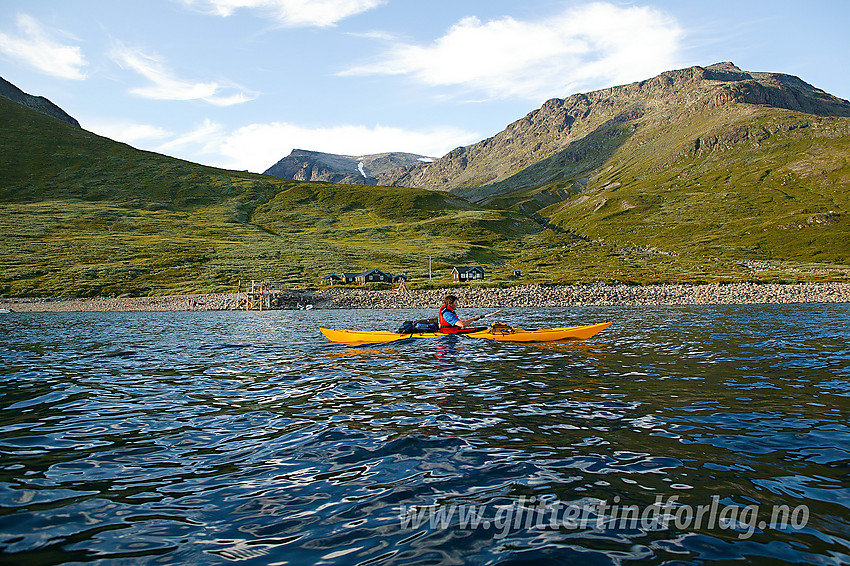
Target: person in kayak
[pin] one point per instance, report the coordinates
(450, 322)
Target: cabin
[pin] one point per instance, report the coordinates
(467, 273)
(373, 276)
(370, 276)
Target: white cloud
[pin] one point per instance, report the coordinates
(237, 98)
(259, 146)
(206, 138)
(127, 132)
(321, 13)
(164, 86)
(585, 47)
(375, 34)
(36, 46)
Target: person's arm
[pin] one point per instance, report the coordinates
(454, 320)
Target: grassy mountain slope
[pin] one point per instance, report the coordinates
(774, 186)
(767, 199)
(694, 176)
(714, 164)
(586, 126)
(83, 215)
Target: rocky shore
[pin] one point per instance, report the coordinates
(598, 294)
(199, 302)
(520, 296)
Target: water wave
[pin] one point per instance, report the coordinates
(221, 437)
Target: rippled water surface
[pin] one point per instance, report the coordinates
(214, 438)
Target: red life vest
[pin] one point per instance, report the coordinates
(445, 327)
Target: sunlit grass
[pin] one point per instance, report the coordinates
(82, 215)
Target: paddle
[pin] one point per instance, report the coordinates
(492, 313)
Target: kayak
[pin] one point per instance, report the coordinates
(543, 334)
(357, 337)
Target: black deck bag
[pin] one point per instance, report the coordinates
(427, 325)
(418, 326)
(406, 327)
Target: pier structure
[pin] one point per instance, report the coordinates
(267, 295)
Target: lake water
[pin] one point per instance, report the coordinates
(678, 435)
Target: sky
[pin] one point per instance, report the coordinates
(239, 84)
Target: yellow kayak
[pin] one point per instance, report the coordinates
(501, 334)
(541, 335)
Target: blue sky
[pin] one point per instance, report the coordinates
(240, 83)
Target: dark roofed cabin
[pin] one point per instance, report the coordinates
(374, 276)
(467, 273)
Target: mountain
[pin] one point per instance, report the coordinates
(712, 162)
(571, 137)
(698, 175)
(302, 165)
(84, 215)
(38, 103)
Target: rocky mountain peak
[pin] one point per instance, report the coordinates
(576, 128)
(727, 66)
(726, 71)
(38, 103)
(305, 165)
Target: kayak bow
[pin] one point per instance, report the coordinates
(358, 337)
(543, 334)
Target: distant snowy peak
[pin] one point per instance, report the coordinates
(304, 165)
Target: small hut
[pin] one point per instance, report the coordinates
(462, 274)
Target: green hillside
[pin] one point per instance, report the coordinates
(83, 215)
(773, 187)
(681, 173)
(661, 181)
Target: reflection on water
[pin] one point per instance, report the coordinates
(448, 349)
(675, 435)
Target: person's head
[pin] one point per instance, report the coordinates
(450, 300)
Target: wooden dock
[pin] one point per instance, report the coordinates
(267, 295)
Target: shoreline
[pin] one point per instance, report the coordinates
(519, 296)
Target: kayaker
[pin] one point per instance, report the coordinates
(450, 322)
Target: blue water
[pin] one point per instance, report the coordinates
(217, 438)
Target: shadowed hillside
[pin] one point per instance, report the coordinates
(715, 161)
(39, 103)
(582, 130)
(699, 175)
(84, 215)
